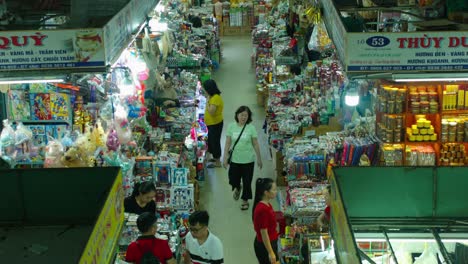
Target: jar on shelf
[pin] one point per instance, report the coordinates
(444, 137)
(391, 107)
(399, 106)
(433, 97)
(423, 96)
(397, 135)
(415, 107)
(433, 107)
(401, 94)
(389, 135)
(424, 107)
(414, 97)
(382, 104)
(399, 122)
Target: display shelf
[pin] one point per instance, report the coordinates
(43, 121)
(454, 112)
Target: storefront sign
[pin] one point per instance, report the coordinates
(51, 49)
(415, 51)
(345, 247)
(104, 238)
(120, 29)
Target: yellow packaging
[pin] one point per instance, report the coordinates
(427, 123)
(427, 137)
(430, 131)
(423, 131)
(415, 131)
(419, 138)
(434, 137)
(411, 137)
(444, 100)
(461, 99)
(420, 123)
(466, 99)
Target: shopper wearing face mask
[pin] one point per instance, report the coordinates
(142, 199)
(241, 139)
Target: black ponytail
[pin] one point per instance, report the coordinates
(261, 186)
(143, 188)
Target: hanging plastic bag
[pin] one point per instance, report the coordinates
(23, 142)
(319, 39)
(53, 154)
(427, 257)
(7, 140)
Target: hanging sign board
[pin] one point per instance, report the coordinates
(345, 247)
(415, 51)
(120, 29)
(51, 49)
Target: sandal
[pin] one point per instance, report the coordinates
(236, 194)
(245, 206)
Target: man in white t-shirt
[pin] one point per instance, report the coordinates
(202, 247)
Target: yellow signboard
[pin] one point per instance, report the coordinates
(106, 232)
(345, 247)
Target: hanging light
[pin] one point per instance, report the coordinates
(352, 95)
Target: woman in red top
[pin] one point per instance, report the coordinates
(324, 218)
(147, 242)
(266, 240)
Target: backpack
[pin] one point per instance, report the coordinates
(148, 257)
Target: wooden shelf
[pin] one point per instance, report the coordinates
(454, 112)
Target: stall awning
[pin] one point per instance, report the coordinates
(56, 52)
(377, 52)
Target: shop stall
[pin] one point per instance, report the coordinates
(414, 72)
(45, 220)
(139, 107)
(401, 215)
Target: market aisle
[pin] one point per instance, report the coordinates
(236, 81)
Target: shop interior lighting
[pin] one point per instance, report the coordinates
(352, 95)
(157, 25)
(160, 7)
(32, 81)
(424, 77)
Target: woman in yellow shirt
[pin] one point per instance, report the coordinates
(214, 121)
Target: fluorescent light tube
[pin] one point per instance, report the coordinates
(32, 81)
(427, 77)
(432, 80)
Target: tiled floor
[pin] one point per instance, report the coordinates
(236, 80)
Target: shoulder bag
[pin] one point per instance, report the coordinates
(235, 143)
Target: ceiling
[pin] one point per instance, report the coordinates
(35, 14)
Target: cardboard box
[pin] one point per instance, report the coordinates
(333, 126)
(278, 164)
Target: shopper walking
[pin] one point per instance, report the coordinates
(147, 248)
(264, 218)
(266, 239)
(202, 246)
(242, 136)
(214, 121)
(142, 199)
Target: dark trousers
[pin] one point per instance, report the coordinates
(262, 253)
(244, 172)
(214, 139)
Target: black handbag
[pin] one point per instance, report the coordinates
(235, 143)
